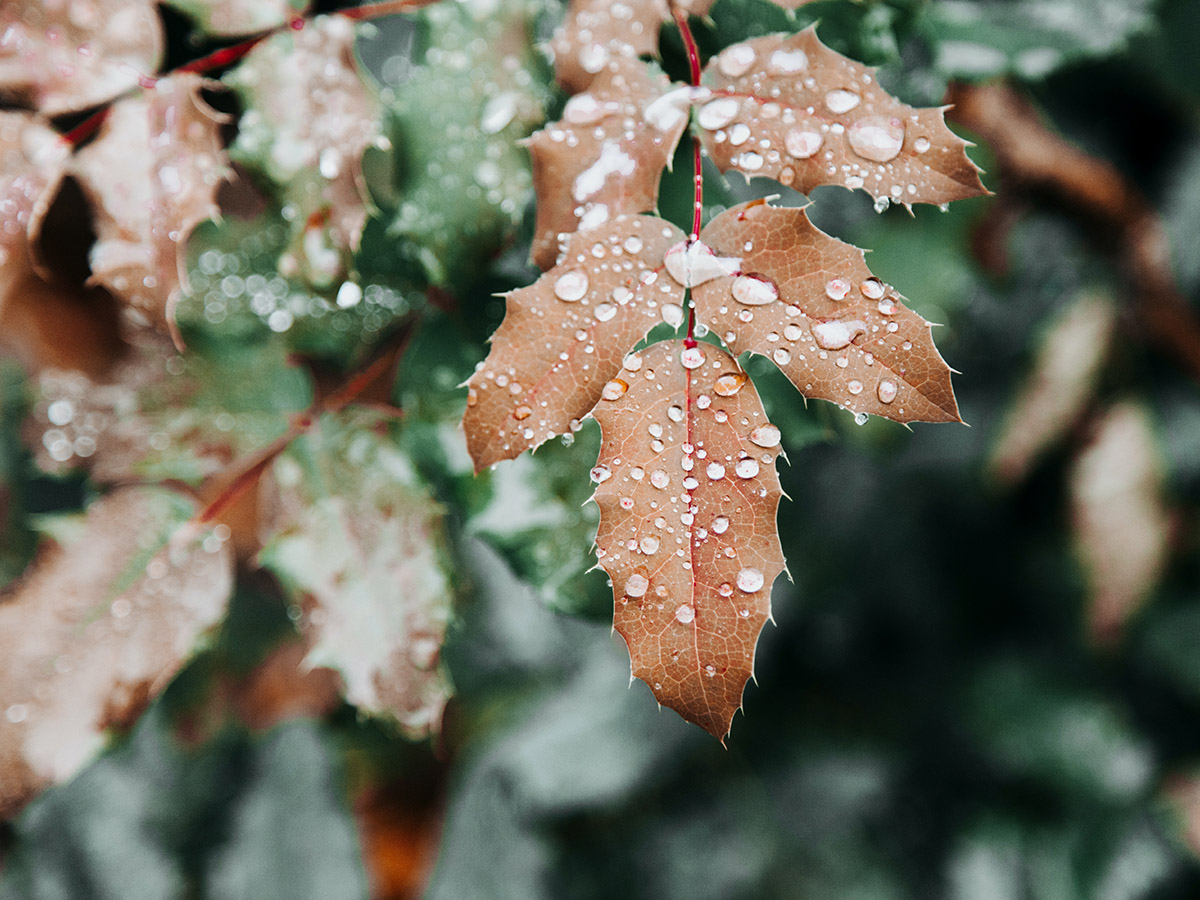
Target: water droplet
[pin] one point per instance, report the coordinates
(766, 435)
(861, 418)
(17, 713)
(886, 391)
(729, 384)
(749, 161)
(921, 144)
(841, 101)
(600, 474)
(571, 286)
(887, 306)
(633, 244)
(881, 204)
(726, 589)
(584, 109)
(788, 62)
(472, 396)
(782, 356)
(691, 357)
(675, 413)
(792, 331)
(498, 112)
(521, 413)
(349, 295)
(718, 113)
(746, 468)
(872, 288)
(753, 291)
(736, 60)
(876, 138)
(633, 362)
(615, 389)
(659, 478)
(837, 288)
(855, 387)
(649, 544)
(710, 670)
(803, 142)
(715, 471)
(739, 134)
(605, 311)
(720, 525)
(750, 580)
(636, 585)
(837, 334)
(672, 314)
(685, 614)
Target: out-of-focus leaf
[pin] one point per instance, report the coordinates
(65, 57)
(16, 540)
(161, 416)
(237, 290)
(1035, 728)
(1029, 38)
(1121, 524)
(98, 628)
(358, 542)
(292, 837)
(309, 117)
(462, 179)
(231, 18)
(1057, 390)
(151, 175)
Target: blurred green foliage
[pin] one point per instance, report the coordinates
(930, 720)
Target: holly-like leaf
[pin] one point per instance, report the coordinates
(358, 541)
(161, 416)
(563, 338)
(232, 18)
(1121, 524)
(599, 34)
(309, 117)
(688, 493)
(97, 628)
(591, 166)
(790, 108)
(64, 57)
(151, 175)
(776, 285)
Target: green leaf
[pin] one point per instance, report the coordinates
(358, 541)
(978, 39)
(462, 180)
(160, 416)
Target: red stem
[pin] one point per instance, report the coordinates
(693, 53)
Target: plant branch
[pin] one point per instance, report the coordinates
(1038, 160)
(693, 54)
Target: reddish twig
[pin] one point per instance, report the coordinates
(693, 54)
(1037, 159)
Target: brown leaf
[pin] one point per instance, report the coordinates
(61, 56)
(597, 34)
(591, 167)
(788, 291)
(688, 493)
(1058, 389)
(32, 162)
(151, 175)
(97, 628)
(1121, 524)
(789, 108)
(563, 338)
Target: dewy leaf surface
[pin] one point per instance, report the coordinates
(97, 628)
(563, 338)
(358, 539)
(151, 175)
(789, 108)
(63, 56)
(809, 302)
(599, 34)
(309, 117)
(606, 155)
(688, 494)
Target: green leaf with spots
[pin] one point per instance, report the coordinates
(461, 179)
